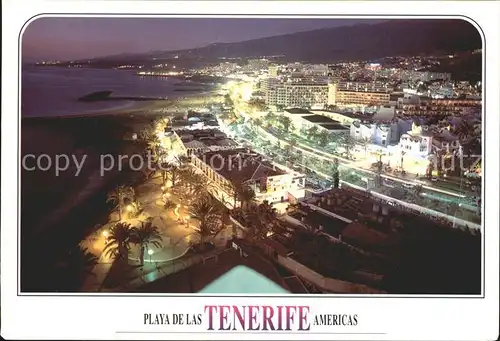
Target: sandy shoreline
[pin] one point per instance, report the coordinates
(176, 104)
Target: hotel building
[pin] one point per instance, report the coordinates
(268, 181)
(362, 98)
(301, 94)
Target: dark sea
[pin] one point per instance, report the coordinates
(53, 91)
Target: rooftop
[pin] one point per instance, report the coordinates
(345, 202)
(297, 111)
(240, 164)
(358, 115)
(333, 126)
(313, 217)
(201, 138)
(320, 119)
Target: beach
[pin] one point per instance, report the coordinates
(70, 205)
(91, 134)
(145, 108)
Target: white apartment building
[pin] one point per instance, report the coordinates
(416, 142)
(378, 134)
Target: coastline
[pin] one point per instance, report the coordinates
(92, 134)
(145, 108)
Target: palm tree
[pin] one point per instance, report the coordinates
(160, 124)
(464, 130)
(379, 169)
(153, 142)
(402, 160)
(270, 117)
(311, 133)
(145, 134)
(286, 122)
(193, 185)
(246, 196)
(234, 187)
(146, 235)
(209, 218)
(119, 195)
(118, 242)
(365, 142)
(172, 169)
(348, 142)
(336, 173)
(323, 138)
(259, 221)
(267, 212)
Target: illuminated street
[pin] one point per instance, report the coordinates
(361, 167)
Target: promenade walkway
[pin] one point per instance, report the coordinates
(175, 235)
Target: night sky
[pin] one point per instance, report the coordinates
(73, 38)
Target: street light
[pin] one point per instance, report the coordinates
(187, 220)
(105, 233)
(150, 253)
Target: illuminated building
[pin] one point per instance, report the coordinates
(268, 181)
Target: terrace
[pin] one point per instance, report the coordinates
(330, 259)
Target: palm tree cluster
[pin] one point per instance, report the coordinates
(191, 185)
(286, 123)
(257, 218)
(322, 137)
(209, 217)
(171, 170)
(122, 236)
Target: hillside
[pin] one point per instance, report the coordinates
(358, 42)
